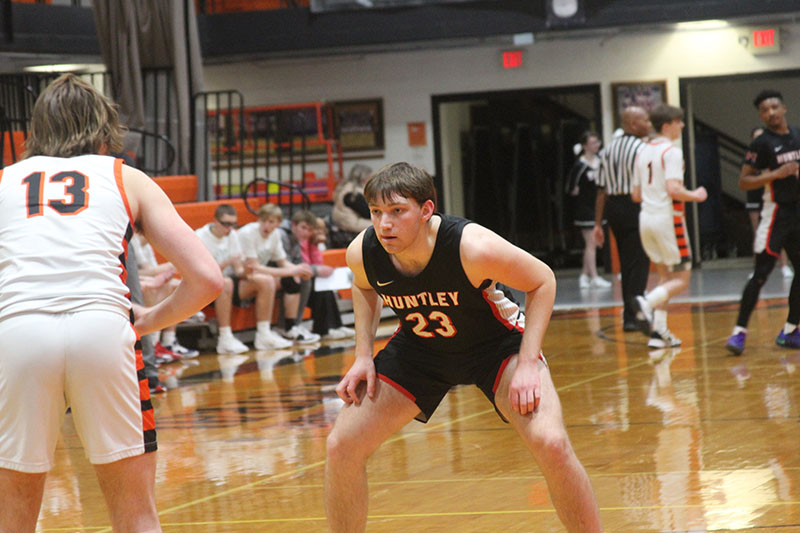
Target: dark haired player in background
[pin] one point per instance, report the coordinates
(772, 162)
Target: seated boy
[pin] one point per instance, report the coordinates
(240, 286)
(265, 256)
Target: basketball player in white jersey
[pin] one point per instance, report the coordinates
(658, 185)
(67, 337)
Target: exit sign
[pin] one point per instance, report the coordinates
(512, 59)
(760, 41)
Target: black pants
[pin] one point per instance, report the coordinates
(785, 233)
(324, 312)
(622, 214)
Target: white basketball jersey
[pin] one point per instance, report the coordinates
(659, 161)
(64, 228)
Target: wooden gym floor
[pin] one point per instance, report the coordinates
(690, 439)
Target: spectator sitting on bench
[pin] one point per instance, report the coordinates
(158, 281)
(240, 287)
(327, 320)
(350, 214)
(265, 255)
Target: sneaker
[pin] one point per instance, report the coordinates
(183, 351)
(334, 335)
(600, 283)
(735, 343)
(787, 272)
(584, 281)
(789, 340)
(230, 345)
(164, 355)
(350, 332)
(663, 339)
(157, 387)
(270, 340)
(300, 335)
(647, 311)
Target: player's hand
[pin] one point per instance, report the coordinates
(525, 389)
(362, 370)
(701, 194)
(599, 237)
(141, 319)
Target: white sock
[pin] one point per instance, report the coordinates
(660, 320)
(225, 331)
(168, 337)
(262, 327)
(657, 296)
(788, 328)
(739, 329)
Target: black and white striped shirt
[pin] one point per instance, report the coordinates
(617, 162)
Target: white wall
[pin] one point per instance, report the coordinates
(407, 80)
(728, 105)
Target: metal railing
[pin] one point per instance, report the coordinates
(237, 148)
(155, 153)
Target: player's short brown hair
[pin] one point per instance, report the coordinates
(664, 114)
(400, 179)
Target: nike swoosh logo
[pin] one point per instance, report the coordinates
(385, 283)
(778, 148)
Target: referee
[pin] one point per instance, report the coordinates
(614, 194)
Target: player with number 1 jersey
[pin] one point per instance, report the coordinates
(661, 220)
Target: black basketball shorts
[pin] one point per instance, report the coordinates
(425, 377)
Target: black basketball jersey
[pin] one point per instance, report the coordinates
(439, 308)
(769, 151)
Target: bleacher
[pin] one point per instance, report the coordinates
(182, 190)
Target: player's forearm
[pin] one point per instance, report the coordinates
(538, 308)
(683, 195)
(196, 290)
(748, 182)
(367, 316)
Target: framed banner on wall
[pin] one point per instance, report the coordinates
(645, 94)
(358, 124)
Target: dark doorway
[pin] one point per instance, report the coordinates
(501, 160)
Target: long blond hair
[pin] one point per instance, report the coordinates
(71, 118)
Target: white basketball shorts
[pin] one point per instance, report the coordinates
(84, 360)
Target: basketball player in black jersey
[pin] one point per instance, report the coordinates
(439, 274)
(772, 162)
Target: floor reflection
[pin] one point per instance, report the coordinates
(686, 439)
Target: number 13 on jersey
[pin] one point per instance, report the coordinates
(73, 197)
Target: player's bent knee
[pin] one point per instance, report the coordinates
(340, 448)
(347, 448)
(553, 449)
